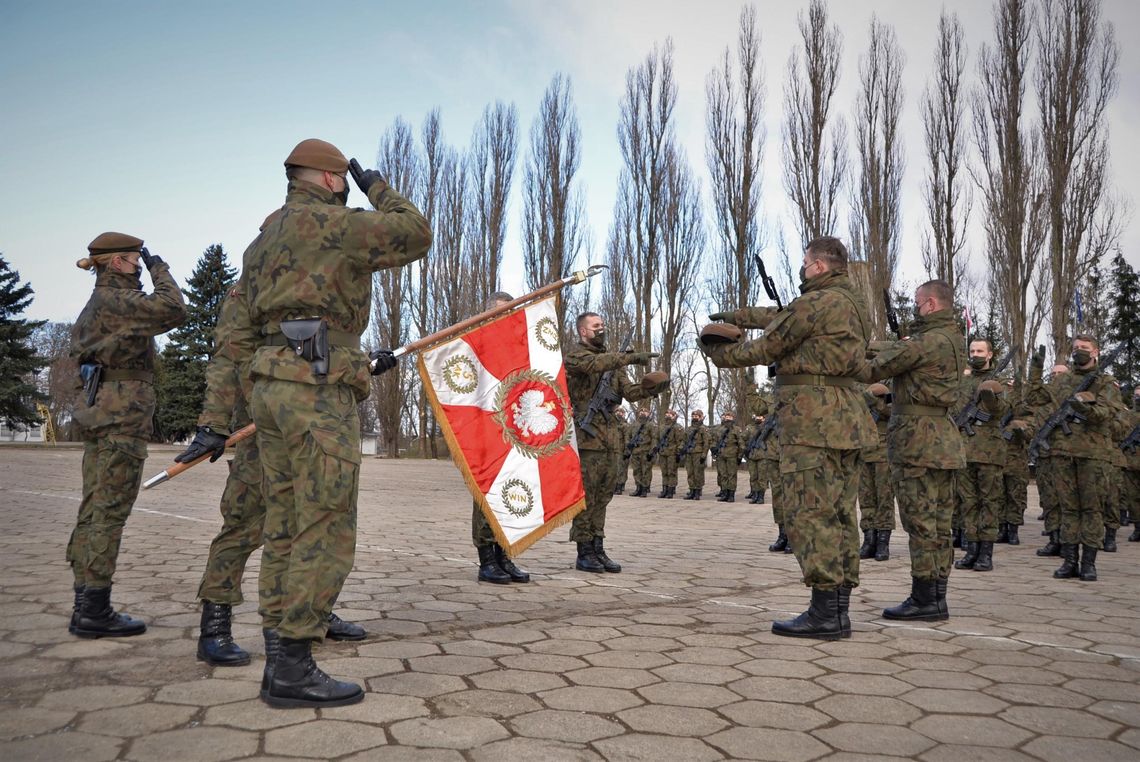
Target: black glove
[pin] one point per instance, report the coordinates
(642, 358)
(1038, 359)
(724, 317)
(383, 360)
(365, 178)
(205, 441)
(150, 260)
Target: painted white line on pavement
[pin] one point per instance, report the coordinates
(134, 509)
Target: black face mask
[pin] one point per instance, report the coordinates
(803, 274)
(342, 196)
(1081, 358)
(728, 422)
(977, 363)
(696, 421)
(598, 340)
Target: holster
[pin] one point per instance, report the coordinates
(91, 374)
(309, 338)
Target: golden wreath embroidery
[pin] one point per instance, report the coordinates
(546, 334)
(517, 497)
(459, 374)
(531, 415)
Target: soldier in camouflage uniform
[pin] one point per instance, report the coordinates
(669, 442)
(693, 452)
(642, 438)
(316, 258)
(817, 344)
(770, 477)
(1130, 490)
(619, 429)
(727, 447)
(923, 445)
(1115, 515)
(876, 499)
(980, 485)
(752, 458)
(586, 363)
(1080, 460)
(1033, 416)
(1015, 478)
(115, 331)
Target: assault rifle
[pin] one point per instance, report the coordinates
(1006, 434)
(973, 412)
(721, 442)
(1065, 414)
(760, 438)
(1132, 441)
(690, 442)
(661, 442)
(635, 441)
(773, 294)
(605, 399)
(892, 316)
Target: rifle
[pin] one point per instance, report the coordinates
(769, 284)
(689, 442)
(972, 413)
(1063, 415)
(604, 400)
(892, 316)
(760, 438)
(635, 441)
(720, 444)
(661, 442)
(1006, 434)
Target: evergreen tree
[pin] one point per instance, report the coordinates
(181, 381)
(19, 362)
(991, 329)
(1124, 328)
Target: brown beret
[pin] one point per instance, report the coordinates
(878, 390)
(317, 154)
(654, 379)
(720, 333)
(112, 243)
(992, 386)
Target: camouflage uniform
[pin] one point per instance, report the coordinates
(980, 486)
(692, 453)
(669, 441)
(770, 477)
(876, 500)
(620, 434)
(1114, 488)
(753, 459)
(116, 330)
(1015, 479)
(1130, 488)
(316, 257)
(643, 438)
(727, 445)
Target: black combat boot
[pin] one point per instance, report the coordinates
(843, 603)
(959, 536)
(922, 605)
(781, 541)
(664, 493)
(610, 565)
(298, 681)
(882, 544)
(98, 620)
(940, 586)
(697, 496)
(751, 494)
(1135, 536)
(587, 559)
(1109, 540)
(820, 621)
(76, 607)
(1053, 547)
(730, 496)
(672, 493)
(216, 644)
(1011, 535)
(1088, 564)
(985, 560)
(619, 489)
(691, 494)
(967, 561)
(506, 564)
(1003, 533)
(867, 549)
(272, 646)
(489, 569)
(342, 630)
(1068, 568)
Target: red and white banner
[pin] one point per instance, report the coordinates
(499, 392)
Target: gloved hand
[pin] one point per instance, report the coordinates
(1038, 358)
(206, 440)
(365, 179)
(1085, 397)
(150, 260)
(641, 358)
(725, 317)
(383, 360)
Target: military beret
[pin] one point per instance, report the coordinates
(879, 390)
(112, 243)
(317, 154)
(994, 387)
(654, 379)
(720, 333)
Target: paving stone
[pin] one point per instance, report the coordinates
(1048, 720)
(1059, 749)
(324, 739)
(1130, 737)
(448, 732)
(779, 668)
(451, 665)
(640, 747)
(768, 744)
(1111, 690)
(32, 721)
(778, 689)
(972, 731)
(1028, 676)
(404, 754)
(566, 647)
(672, 720)
(200, 744)
(612, 677)
(397, 649)
(419, 684)
(688, 694)
(774, 714)
(356, 668)
(561, 725)
(699, 673)
(958, 702)
(543, 662)
(1039, 695)
(92, 697)
(930, 678)
(485, 704)
(873, 709)
(136, 720)
(871, 685)
(952, 753)
(582, 698)
(533, 749)
(873, 739)
(1125, 712)
(207, 692)
(254, 714)
(628, 659)
(61, 746)
(707, 655)
(517, 680)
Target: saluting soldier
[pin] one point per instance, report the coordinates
(693, 453)
(876, 498)
(727, 447)
(642, 439)
(669, 442)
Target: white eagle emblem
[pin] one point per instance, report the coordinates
(532, 414)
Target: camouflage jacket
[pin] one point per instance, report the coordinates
(584, 368)
(1091, 439)
(315, 258)
(727, 442)
(1131, 419)
(750, 432)
(228, 385)
(670, 437)
(643, 436)
(987, 445)
(926, 369)
(699, 435)
(116, 329)
(1120, 429)
(877, 453)
(823, 332)
(619, 434)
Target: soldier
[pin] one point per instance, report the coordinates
(1130, 490)
(752, 459)
(923, 445)
(693, 452)
(817, 344)
(586, 363)
(1033, 417)
(621, 433)
(770, 477)
(1115, 514)
(728, 446)
(876, 499)
(980, 485)
(1015, 478)
(112, 342)
(641, 440)
(316, 258)
(669, 443)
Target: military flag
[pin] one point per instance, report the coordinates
(499, 392)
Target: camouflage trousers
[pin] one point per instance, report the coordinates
(982, 493)
(243, 521)
(926, 505)
(598, 480)
(770, 478)
(481, 532)
(642, 468)
(820, 487)
(668, 465)
(876, 499)
(754, 476)
(1080, 484)
(726, 473)
(619, 469)
(309, 437)
(1016, 497)
(112, 474)
(1047, 493)
(1130, 495)
(1114, 482)
(695, 471)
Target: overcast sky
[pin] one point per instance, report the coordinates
(170, 121)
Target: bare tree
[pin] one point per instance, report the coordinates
(453, 295)
(875, 213)
(420, 295)
(615, 302)
(943, 120)
(815, 143)
(1076, 78)
(52, 341)
(491, 167)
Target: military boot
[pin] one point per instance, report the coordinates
(489, 569)
(781, 541)
(697, 495)
(820, 621)
(664, 493)
(672, 493)
(76, 607)
(882, 545)
(1003, 533)
(751, 495)
(1011, 534)
(1068, 568)
(867, 549)
(1088, 564)
(729, 496)
(1053, 547)
(216, 644)
(691, 494)
(940, 586)
(97, 619)
(922, 605)
(272, 646)
(843, 604)
(1109, 540)
(619, 489)
(985, 560)
(587, 559)
(720, 494)
(959, 536)
(339, 629)
(967, 561)
(610, 565)
(506, 564)
(1135, 536)
(298, 681)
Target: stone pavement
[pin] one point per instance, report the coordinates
(672, 659)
